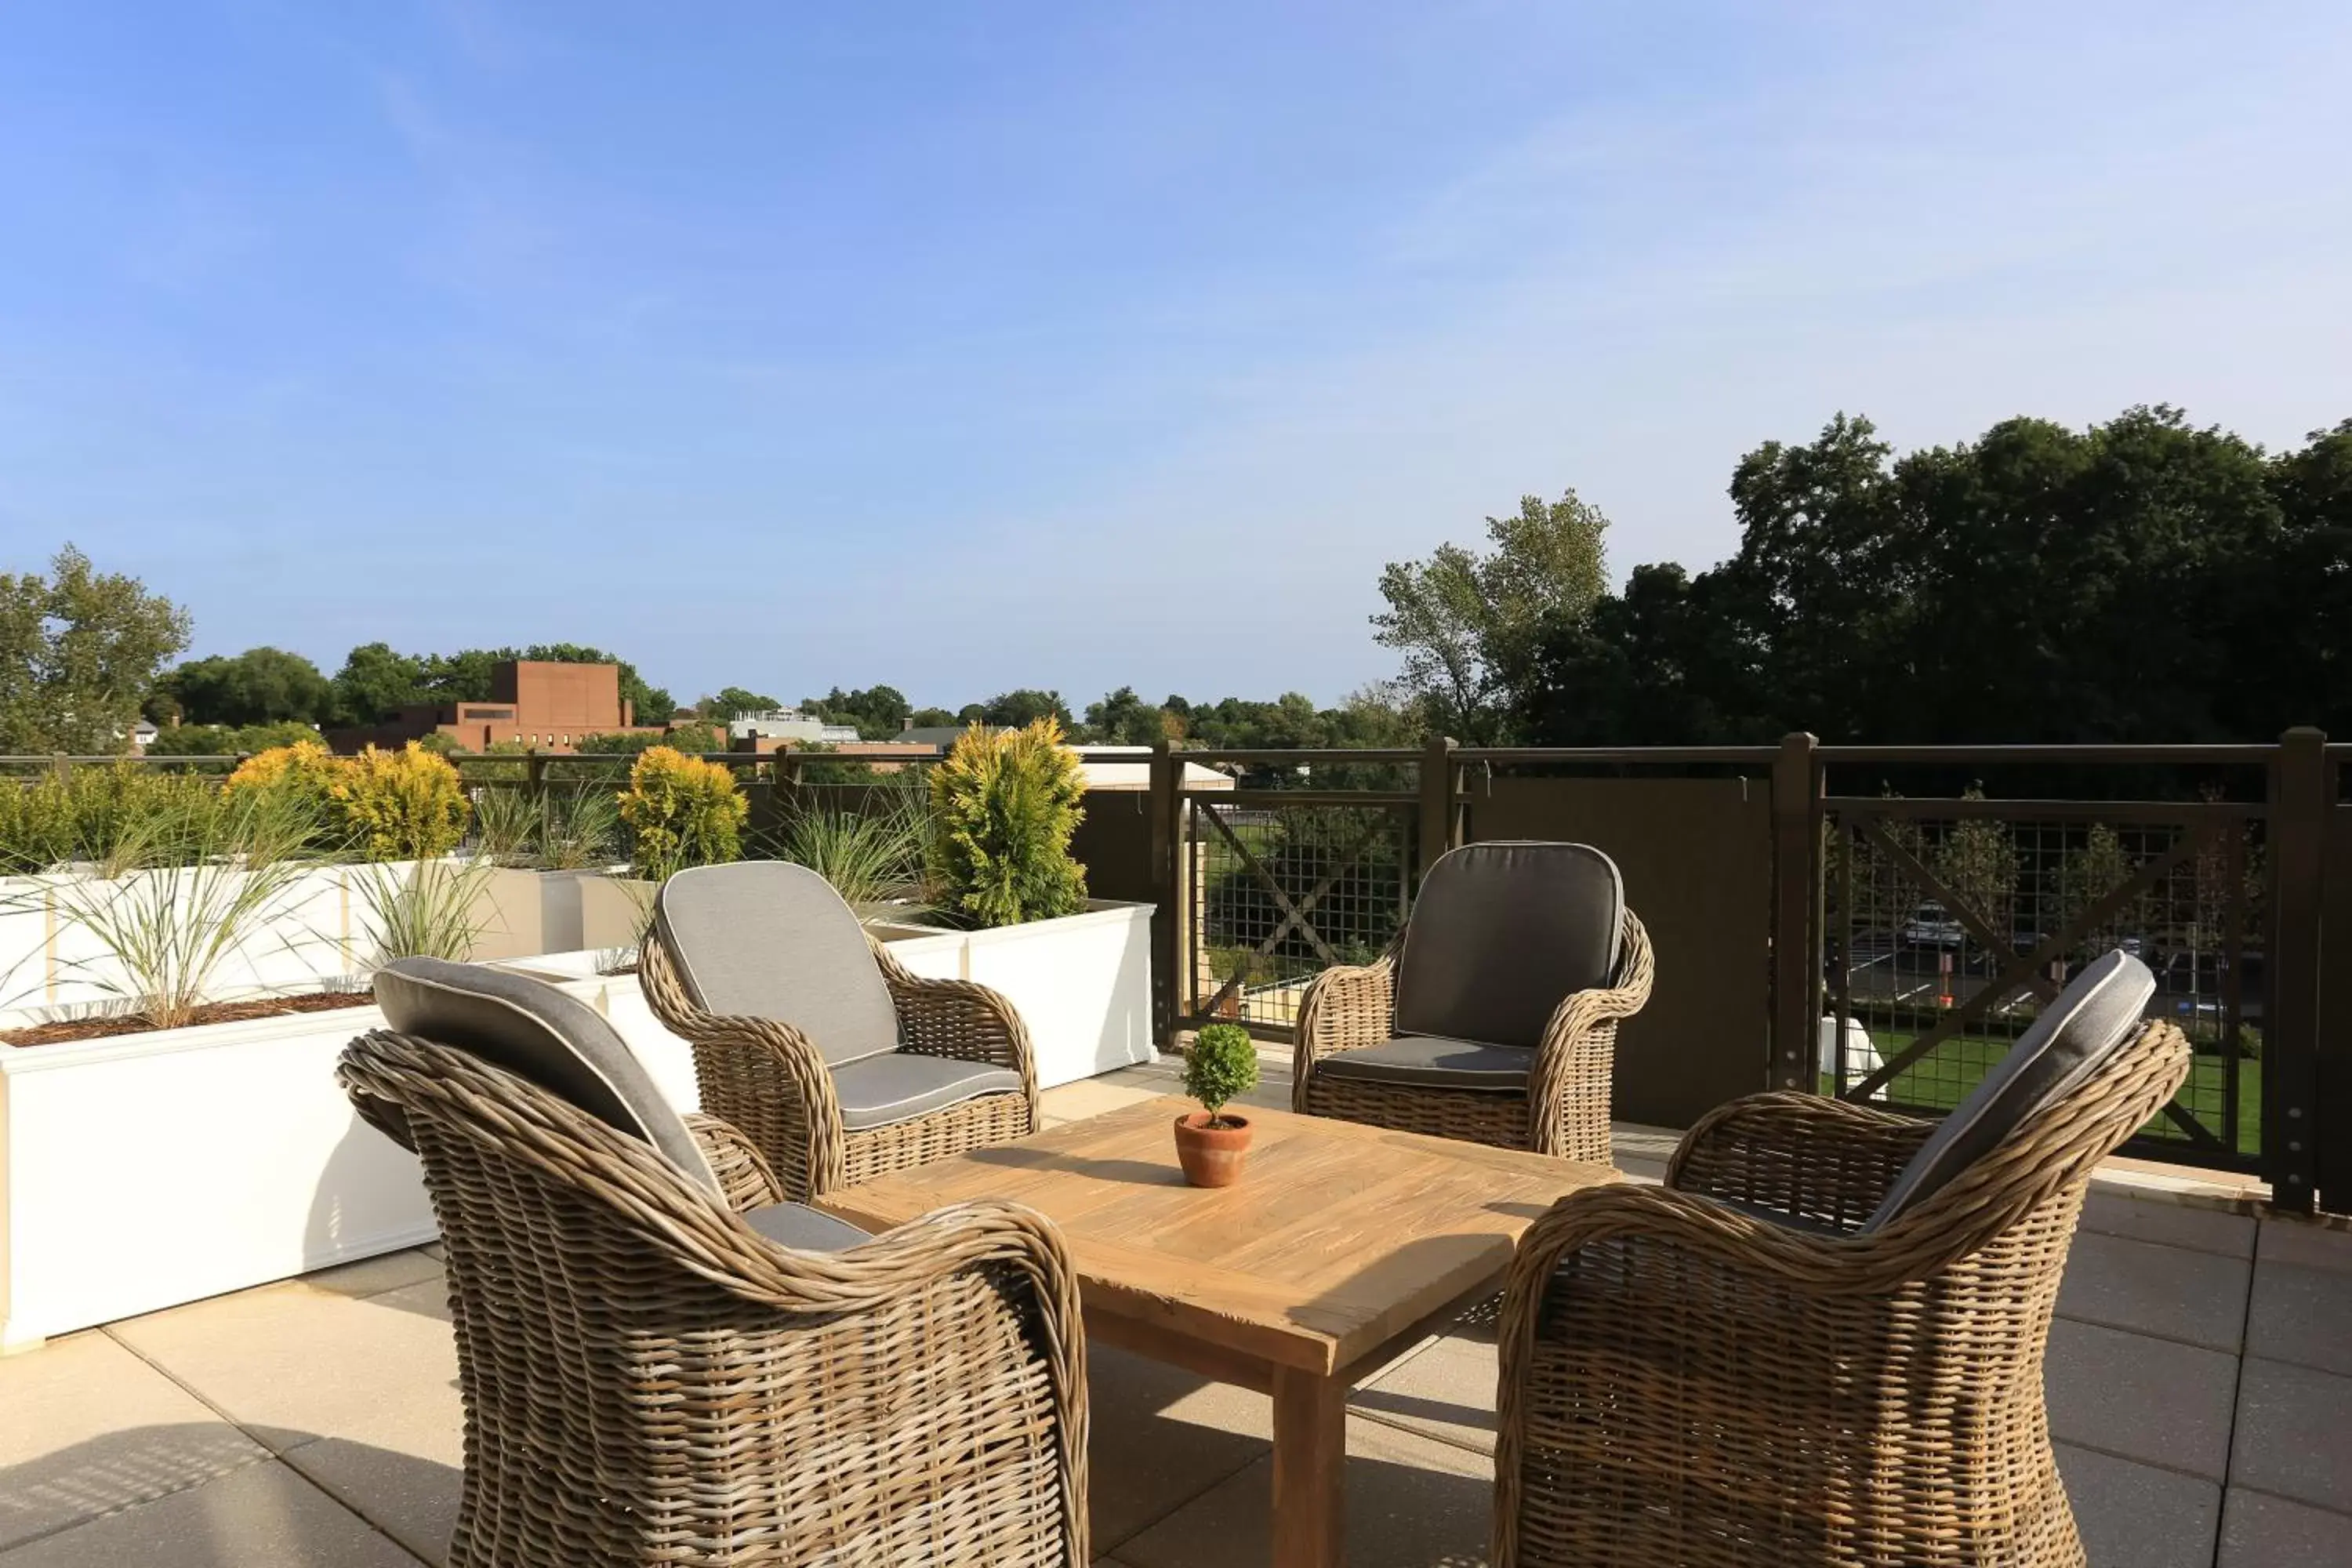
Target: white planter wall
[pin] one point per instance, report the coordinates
(148, 1169)
(1082, 983)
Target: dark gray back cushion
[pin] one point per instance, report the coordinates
(1501, 935)
(534, 1031)
(767, 939)
(2075, 1037)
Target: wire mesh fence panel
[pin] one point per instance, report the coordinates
(1281, 892)
(1950, 925)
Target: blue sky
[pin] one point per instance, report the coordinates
(972, 346)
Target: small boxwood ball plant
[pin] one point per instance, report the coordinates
(1221, 1063)
(681, 811)
(406, 804)
(1004, 806)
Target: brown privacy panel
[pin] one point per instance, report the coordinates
(1114, 844)
(1697, 856)
(2331, 1127)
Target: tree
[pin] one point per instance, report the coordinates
(1123, 719)
(877, 711)
(1466, 623)
(1019, 710)
(79, 650)
(2142, 580)
(375, 683)
(929, 718)
(733, 700)
(260, 686)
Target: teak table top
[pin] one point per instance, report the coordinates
(1337, 1240)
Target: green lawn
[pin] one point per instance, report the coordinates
(1939, 1081)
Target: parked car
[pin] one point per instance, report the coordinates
(1932, 925)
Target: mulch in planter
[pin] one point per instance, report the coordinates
(65, 1030)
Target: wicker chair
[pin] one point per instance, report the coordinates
(1493, 1017)
(817, 1044)
(1820, 1341)
(659, 1372)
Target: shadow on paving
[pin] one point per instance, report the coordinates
(199, 1494)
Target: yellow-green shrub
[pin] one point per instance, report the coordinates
(37, 825)
(1004, 806)
(402, 805)
(681, 812)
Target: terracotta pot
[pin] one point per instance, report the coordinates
(1211, 1156)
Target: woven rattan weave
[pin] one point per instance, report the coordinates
(1684, 1383)
(1566, 1109)
(647, 1381)
(768, 1080)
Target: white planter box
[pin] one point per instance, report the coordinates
(1082, 982)
(144, 1171)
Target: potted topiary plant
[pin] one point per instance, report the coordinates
(1210, 1144)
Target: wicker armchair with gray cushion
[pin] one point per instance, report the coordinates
(664, 1363)
(1820, 1341)
(1494, 1018)
(817, 1044)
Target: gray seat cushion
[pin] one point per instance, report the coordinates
(1431, 1061)
(803, 1229)
(901, 1086)
(767, 939)
(2075, 1037)
(536, 1032)
(1501, 935)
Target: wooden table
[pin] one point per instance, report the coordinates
(1341, 1248)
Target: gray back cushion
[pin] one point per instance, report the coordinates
(2066, 1049)
(767, 939)
(1501, 935)
(536, 1032)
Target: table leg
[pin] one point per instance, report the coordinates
(1310, 1461)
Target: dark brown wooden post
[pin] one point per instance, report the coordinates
(1796, 900)
(534, 769)
(1174, 909)
(1440, 814)
(2299, 804)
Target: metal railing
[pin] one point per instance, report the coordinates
(1915, 935)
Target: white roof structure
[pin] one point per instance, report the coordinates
(1129, 767)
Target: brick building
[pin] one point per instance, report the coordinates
(542, 704)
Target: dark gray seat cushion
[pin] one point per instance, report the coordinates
(2075, 1037)
(768, 938)
(805, 1229)
(901, 1086)
(1501, 935)
(1433, 1061)
(536, 1032)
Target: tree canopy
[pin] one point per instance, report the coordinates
(877, 711)
(80, 649)
(2141, 580)
(260, 686)
(1464, 623)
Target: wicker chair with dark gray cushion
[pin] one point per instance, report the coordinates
(663, 1362)
(1820, 1341)
(817, 1044)
(1494, 1017)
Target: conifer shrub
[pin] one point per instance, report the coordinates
(402, 805)
(1004, 806)
(681, 811)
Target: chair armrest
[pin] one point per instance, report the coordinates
(1568, 1087)
(957, 1018)
(942, 1255)
(743, 1176)
(1345, 1008)
(1802, 1155)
